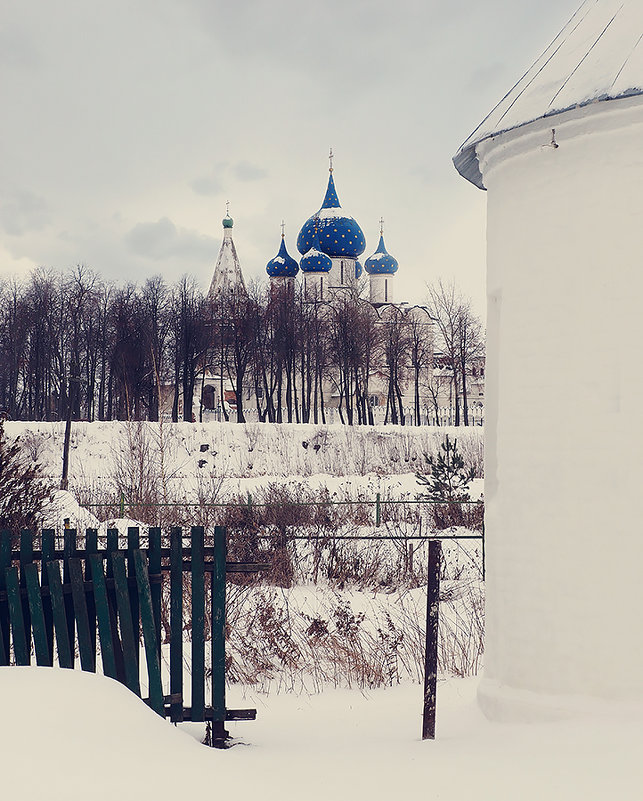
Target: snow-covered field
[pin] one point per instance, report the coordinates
(186, 456)
(71, 735)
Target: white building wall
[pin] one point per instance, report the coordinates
(564, 440)
(316, 286)
(342, 272)
(381, 287)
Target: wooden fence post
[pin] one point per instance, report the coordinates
(431, 652)
(176, 625)
(219, 733)
(198, 625)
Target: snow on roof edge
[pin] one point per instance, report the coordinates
(466, 159)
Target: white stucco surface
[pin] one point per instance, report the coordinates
(564, 434)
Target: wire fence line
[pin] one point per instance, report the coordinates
(378, 501)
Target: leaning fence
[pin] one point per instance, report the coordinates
(91, 598)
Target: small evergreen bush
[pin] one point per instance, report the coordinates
(447, 486)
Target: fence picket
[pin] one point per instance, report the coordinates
(26, 558)
(21, 648)
(198, 625)
(103, 617)
(69, 551)
(85, 649)
(4, 659)
(218, 635)
(149, 634)
(156, 586)
(91, 547)
(41, 645)
(130, 644)
(5, 562)
(133, 544)
(176, 625)
(48, 547)
(60, 616)
(112, 547)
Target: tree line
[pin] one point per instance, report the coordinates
(73, 346)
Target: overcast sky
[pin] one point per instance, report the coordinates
(127, 125)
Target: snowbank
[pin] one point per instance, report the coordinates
(67, 735)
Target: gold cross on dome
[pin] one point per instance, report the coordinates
(330, 157)
(227, 208)
(381, 226)
(283, 228)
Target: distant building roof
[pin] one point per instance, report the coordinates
(227, 277)
(597, 56)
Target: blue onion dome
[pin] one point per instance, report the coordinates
(315, 260)
(381, 262)
(339, 234)
(283, 265)
(358, 270)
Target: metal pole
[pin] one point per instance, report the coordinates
(431, 648)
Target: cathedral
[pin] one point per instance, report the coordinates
(328, 270)
(330, 243)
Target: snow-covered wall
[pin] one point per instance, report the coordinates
(565, 332)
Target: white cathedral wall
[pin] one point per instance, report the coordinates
(381, 290)
(564, 432)
(342, 272)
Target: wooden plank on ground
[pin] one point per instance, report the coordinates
(130, 644)
(176, 623)
(21, 649)
(60, 618)
(85, 648)
(41, 646)
(103, 616)
(149, 634)
(198, 624)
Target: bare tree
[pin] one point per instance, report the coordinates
(459, 335)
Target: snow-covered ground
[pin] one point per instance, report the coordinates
(186, 454)
(72, 735)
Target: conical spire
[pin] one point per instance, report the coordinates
(227, 278)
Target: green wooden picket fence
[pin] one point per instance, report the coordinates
(89, 600)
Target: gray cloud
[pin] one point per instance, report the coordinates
(245, 171)
(211, 183)
(22, 211)
(162, 240)
(222, 174)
